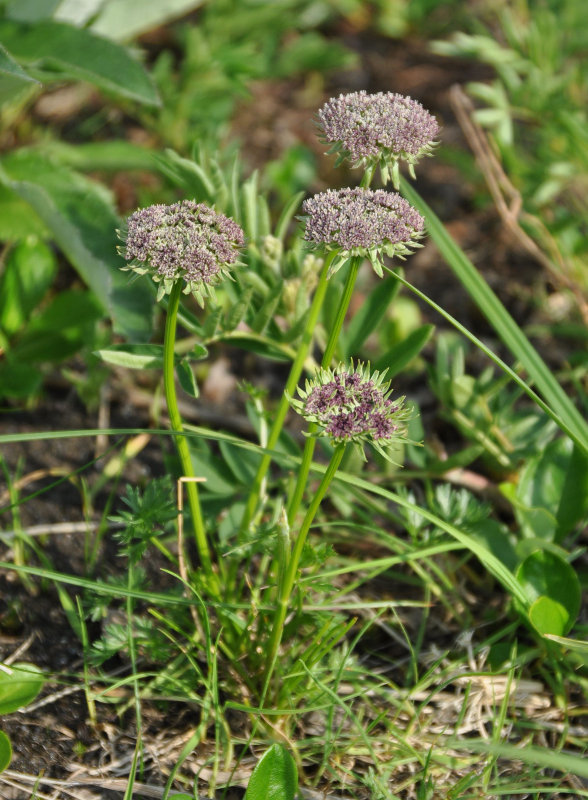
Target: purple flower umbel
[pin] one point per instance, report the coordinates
(378, 129)
(362, 222)
(185, 241)
(350, 405)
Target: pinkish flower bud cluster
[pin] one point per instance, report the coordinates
(350, 405)
(185, 241)
(378, 129)
(362, 222)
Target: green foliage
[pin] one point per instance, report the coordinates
(535, 110)
(274, 777)
(19, 685)
(233, 44)
(150, 513)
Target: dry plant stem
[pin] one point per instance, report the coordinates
(180, 440)
(293, 378)
(302, 477)
(291, 567)
(508, 200)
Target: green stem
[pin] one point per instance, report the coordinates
(177, 425)
(302, 478)
(292, 383)
(291, 569)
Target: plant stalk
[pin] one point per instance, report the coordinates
(177, 426)
(291, 568)
(309, 445)
(290, 388)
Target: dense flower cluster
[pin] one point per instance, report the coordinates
(185, 241)
(378, 129)
(350, 405)
(362, 222)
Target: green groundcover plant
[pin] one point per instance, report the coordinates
(257, 620)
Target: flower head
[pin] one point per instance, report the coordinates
(185, 241)
(352, 405)
(378, 129)
(362, 222)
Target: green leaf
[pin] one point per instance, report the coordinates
(67, 53)
(544, 574)
(187, 378)
(274, 777)
(268, 308)
(573, 502)
(30, 10)
(19, 685)
(81, 217)
(256, 344)
(396, 359)
(539, 490)
(548, 616)
(133, 356)
(369, 316)
(5, 751)
(28, 273)
(18, 380)
(17, 218)
(242, 464)
(571, 644)
(121, 19)
(566, 413)
(8, 66)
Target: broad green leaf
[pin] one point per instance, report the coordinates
(28, 272)
(30, 10)
(60, 330)
(19, 685)
(396, 359)
(109, 156)
(5, 751)
(17, 219)
(274, 777)
(8, 66)
(545, 381)
(77, 12)
(187, 378)
(548, 616)
(370, 314)
(133, 356)
(573, 502)
(122, 20)
(63, 52)
(81, 217)
(539, 489)
(18, 380)
(546, 574)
